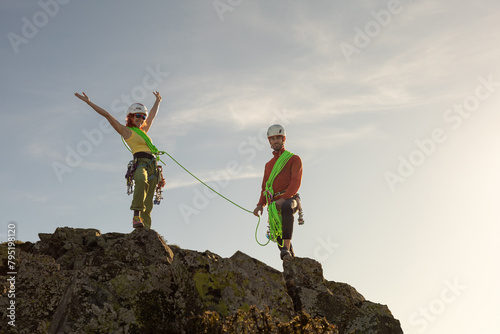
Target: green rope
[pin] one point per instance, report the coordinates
(275, 230)
(227, 199)
(256, 229)
(272, 212)
(278, 166)
(158, 153)
(206, 185)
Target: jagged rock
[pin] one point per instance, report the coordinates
(339, 303)
(82, 281)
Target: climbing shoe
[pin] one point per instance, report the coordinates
(285, 253)
(137, 222)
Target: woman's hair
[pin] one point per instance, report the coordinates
(130, 118)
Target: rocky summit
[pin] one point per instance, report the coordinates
(82, 281)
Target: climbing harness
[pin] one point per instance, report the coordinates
(129, 176)
(133, 164)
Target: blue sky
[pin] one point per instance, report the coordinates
(392, 106)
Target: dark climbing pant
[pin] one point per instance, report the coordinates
(288, 209)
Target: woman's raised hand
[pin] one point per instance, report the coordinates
(83, 97)
(158, 96)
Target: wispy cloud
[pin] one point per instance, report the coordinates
(208, 178)
(41, 149)
(325, 137)
(22, 196)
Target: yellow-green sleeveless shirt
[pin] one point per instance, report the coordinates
(137, 144)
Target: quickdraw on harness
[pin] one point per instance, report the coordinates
(133, 164)
(159, 186)
(129, 176)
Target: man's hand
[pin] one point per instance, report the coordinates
(258, 210)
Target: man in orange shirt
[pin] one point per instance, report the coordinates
(285, 187)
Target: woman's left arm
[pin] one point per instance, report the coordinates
(152, 112)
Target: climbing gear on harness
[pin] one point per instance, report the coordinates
(129, 176)
(301, 217)
(159, 186)
(137, 222)
(299, 208)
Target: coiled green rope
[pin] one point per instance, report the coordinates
(275, 230)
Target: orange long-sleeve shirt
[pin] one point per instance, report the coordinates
(288, 179)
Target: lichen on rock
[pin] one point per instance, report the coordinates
(82, 281)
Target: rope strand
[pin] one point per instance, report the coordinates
(158, 153)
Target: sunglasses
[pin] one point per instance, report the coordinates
(140, 116)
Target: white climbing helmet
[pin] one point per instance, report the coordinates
(137, 108)
(276, 130)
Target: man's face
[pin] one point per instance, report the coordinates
(276, 142)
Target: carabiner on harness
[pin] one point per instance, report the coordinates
(159, 186)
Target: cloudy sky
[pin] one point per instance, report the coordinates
(392, 106)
